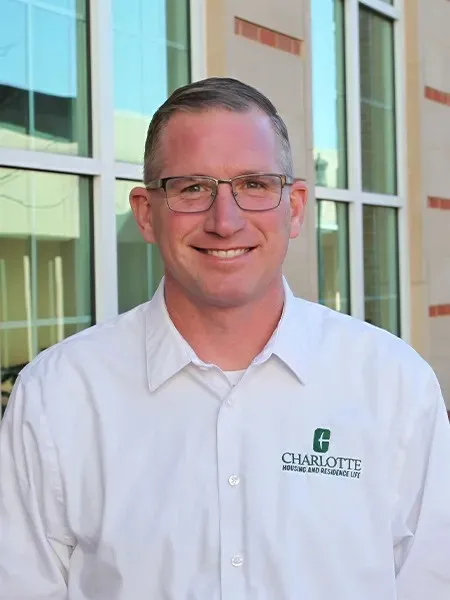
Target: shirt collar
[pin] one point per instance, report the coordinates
(168, 352)
(291, 342)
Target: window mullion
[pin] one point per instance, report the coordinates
(354, 158)
(197, 10)
(402, 177)
(353, 96)
(383, 8)
(101, 34)
(356, 258)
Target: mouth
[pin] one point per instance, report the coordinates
(224, 254)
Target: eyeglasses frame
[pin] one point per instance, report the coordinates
(157, 184)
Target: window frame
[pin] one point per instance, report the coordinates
(354, 194)
(102, 166)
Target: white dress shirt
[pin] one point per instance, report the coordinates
(131, 470)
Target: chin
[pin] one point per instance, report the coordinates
(225, 295)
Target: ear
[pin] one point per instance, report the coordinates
(298, 200)
(141, 205)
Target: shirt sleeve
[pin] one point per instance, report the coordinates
(422, 517)
(35, 546)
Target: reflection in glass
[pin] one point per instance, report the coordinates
(333, 254)
(328, 83)
(139, 264)
(151, 59)
(45, 264)
(44, 76)
(381, 270)
(378, 143)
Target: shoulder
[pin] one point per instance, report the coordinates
(356, 342)
(110, 341)
(369, 363)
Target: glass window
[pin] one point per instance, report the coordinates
(45, 264)
(378, 144)
(139, 264)
(328, 91)
(44, 76)
(333, 253)
(381, 270)
(151, 59)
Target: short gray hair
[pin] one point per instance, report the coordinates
(214, 92)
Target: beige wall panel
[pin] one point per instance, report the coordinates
(439, 283)
(436, 66)
(415, 191)
(417, 240)
(435, 18)
(300, 267)
(438, 233)
(436, 125)
(281, 76)
(436, 172)
(219, 27)
(436, 149)
(284, 16)
(420, 335)
(440, 336)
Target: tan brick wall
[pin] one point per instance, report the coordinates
(434, 69)
(414, 197)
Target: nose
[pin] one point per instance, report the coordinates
(224, 218)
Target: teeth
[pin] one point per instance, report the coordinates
(228, 253)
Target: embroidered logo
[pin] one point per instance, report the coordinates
(318, 463)
(321, 442)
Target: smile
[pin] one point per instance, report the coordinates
(232, 253)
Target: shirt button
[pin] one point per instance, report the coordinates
(237, 560)
(234, 480)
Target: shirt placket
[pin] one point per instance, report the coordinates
(233, 560)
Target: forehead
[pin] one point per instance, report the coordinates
(219, 143)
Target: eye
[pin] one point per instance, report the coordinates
(195, 188)
(253, 184)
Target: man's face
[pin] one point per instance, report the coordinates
(220, 144)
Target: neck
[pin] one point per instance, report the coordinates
(229, 337)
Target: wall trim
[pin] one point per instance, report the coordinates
(438, 96)
(268, 37)
(439, 310)
(438, 203)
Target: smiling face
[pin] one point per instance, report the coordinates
(225, 256)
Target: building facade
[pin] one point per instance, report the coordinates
(363, 86)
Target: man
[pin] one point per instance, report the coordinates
(226, 440)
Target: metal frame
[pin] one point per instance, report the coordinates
(354, 194)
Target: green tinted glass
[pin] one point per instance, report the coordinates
(45, 264)
(381, 270)
(139, 264)
(328, 91)
(378, 139)
(151, 59)
(44, 76)
(333, 255)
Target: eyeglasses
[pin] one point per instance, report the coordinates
(195, 194)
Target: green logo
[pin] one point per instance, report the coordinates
(321, 441)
